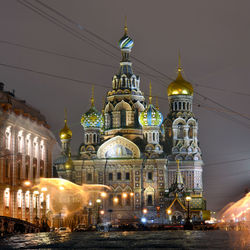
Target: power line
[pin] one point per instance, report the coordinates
(68, 29)
(52, 75)
(149, 66)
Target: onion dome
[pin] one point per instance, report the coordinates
(65, 132)
(180, 86)
(92, 118)
(126, 42)
(150, 116)
(69, 163)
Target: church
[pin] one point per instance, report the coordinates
(150, 164)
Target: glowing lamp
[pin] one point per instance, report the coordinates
(103, 194)
(36, 192)
(131, 194)
(143, 220)
(145, 210)
(188, 198)
(27, 183)
(90, 203)
(98, 200)
(124, 195)
(44, 189)
(61, 188)
(116, 200)
(102, 212)
(169, 211)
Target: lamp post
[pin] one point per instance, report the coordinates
(188, 199)
(36, 193)
(169, 211)
(188, 225)
(98, 202)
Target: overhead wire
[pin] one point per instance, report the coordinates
(205, 98)
(149, 66)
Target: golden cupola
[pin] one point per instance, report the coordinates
(65, 132)
(180, 86)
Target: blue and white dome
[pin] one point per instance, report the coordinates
(126, 42)
(151, 117)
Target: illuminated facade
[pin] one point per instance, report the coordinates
(25, 155)
(129, 148)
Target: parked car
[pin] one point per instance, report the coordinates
(64, 230)
(81, 228)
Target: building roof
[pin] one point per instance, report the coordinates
(9, 102)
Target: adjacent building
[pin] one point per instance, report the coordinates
(26, 144)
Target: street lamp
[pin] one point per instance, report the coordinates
(116, 200)
(169, 211)
(188, 199)
(98, 202)
(103, 194)
(145, 211)
(27, 183)
(124, 195)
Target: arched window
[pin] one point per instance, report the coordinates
(27, 171)
(19, 198)
(179, 105)
(7, 197)
(188, 106)
(184, 105)
(153, 136)
(87, 138)
(27, 199)
(191, 131)
(94, 138)
(123, 118)
(180, 131)
(19, 171)
(7, 168)
(175, 106)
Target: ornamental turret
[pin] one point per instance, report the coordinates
(151, 120)
(65, 137)
(181, 130)
(125, 101)
(92, 122)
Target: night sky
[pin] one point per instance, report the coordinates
(213, 37)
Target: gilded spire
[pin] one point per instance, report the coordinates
(92, 97)
(179, 69)
(65, 132)
(65, 115)
(179, 179)
(156, 103)
(125, 27)
(150, 93)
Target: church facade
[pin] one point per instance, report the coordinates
(131, 148)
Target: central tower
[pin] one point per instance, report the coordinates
(125, 102)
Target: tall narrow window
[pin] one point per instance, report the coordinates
(150, 176)
(119, 176)
(110, 176)
(94, 138)
(184, 105)
(7, 168)
(179, 105)
(19, 171)
(27, 171)
(150, 200)
(19, 198)
(123, 118)
(89, 177)
(27, 199)
(127, 176)
(7, 197)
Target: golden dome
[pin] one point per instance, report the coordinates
(65, 132)
(180, 86)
